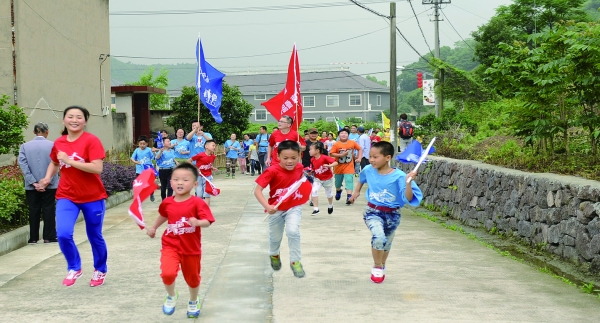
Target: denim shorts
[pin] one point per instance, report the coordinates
(383, 227)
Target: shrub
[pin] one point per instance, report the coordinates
(117, 178)
(12, 195)
(12, 123)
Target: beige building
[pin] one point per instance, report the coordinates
(53, 54)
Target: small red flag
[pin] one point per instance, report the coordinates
(294, 195)
(210, 188)
(143, 186)
(288, 102)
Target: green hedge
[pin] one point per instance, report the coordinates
(12, 195)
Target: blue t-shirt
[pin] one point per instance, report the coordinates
(263, 142)
(182, 145)
(145, 157)
(166, 159)
(247, 145)
(388, 190)
(197, 144)
(354, 136)
(232, 153)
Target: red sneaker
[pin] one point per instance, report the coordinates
(377, 275)
(97, 278)
(72, 277)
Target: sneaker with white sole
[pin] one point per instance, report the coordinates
(193, 308)
(97, 278)
(315, 212)
(170, 303)
(72, 277)
(377, 275)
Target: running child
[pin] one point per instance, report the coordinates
(142, 156)
(343, 150)
(387, 192)
(181, 241)
(165, 160)
(204, 162)
(321, 165)
(279, 177)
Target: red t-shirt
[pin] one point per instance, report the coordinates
(74, 184)
(277, 137)
(375, 138)
(323, 140)
(278, 179)
(180, 235)
(321, 172)
(204, 163)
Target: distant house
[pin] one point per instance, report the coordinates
(325, 95)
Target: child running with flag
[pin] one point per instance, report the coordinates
(204, 162)
(284, 212)
(387, 192)
(181, 241)
(321, 166)
(142, 156)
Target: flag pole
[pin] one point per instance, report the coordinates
(423, 156)
(198, 107)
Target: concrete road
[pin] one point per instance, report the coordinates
(433, 274)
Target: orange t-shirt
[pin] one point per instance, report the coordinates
(346, 163)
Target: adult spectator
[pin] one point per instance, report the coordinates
(405, 131)
(324, 137)
(197, 138)
(34, 158)
(181, 147)
(312, 139)
(365, 145)
(354, 137)
(262, 144)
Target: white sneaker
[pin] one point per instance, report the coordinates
(193, 308)
(170, 303)
(377, 275)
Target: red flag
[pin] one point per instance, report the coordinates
(210, 188)
(297, 194)
(143, 186)
(288, 102)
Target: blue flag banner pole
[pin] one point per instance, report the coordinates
(423, 156)
(209, 84)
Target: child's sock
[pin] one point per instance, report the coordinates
(316, 208)
(330, 205)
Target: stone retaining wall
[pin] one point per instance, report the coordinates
(558, 213)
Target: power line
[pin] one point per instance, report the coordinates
(419, 24)
(238, 9)
(474, 14)
(369, 9)
(258, 55)
(448, 20)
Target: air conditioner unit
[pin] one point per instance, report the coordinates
(105, 110)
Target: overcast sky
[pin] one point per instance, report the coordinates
(259, 29)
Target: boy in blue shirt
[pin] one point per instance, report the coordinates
(232, 147)
(387, 192)
(197, 138)
(142, 156)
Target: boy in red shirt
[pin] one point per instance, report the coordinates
(321, 166)
(285, 132)
(279, 177)
(181, 246)
(204, 162)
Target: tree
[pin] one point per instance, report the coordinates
(374, 79)
(234, 110)
(12, 123)
(157, 101)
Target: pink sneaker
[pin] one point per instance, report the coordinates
(97, 278)
(72, 277)
(377, 275)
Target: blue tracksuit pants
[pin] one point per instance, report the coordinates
(93, 214)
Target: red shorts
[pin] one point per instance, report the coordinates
(171, 261)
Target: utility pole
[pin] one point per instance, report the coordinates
(393, 90)
(436, 20)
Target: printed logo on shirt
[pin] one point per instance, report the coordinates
(321, 170)
(73, 156)
(383, 196)
(209, 166)
(180, 227)
(169, 162)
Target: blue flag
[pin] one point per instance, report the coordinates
(159, 141)
(412, 153)
(209, 84)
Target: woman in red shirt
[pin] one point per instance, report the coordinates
(78, 155)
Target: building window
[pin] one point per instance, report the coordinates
(260, 115)
(330, 119)
(333, 100)
(308, 101)
(113, 100)
(379, 100)
(309, 120)
(355, 100)
(260, 97)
